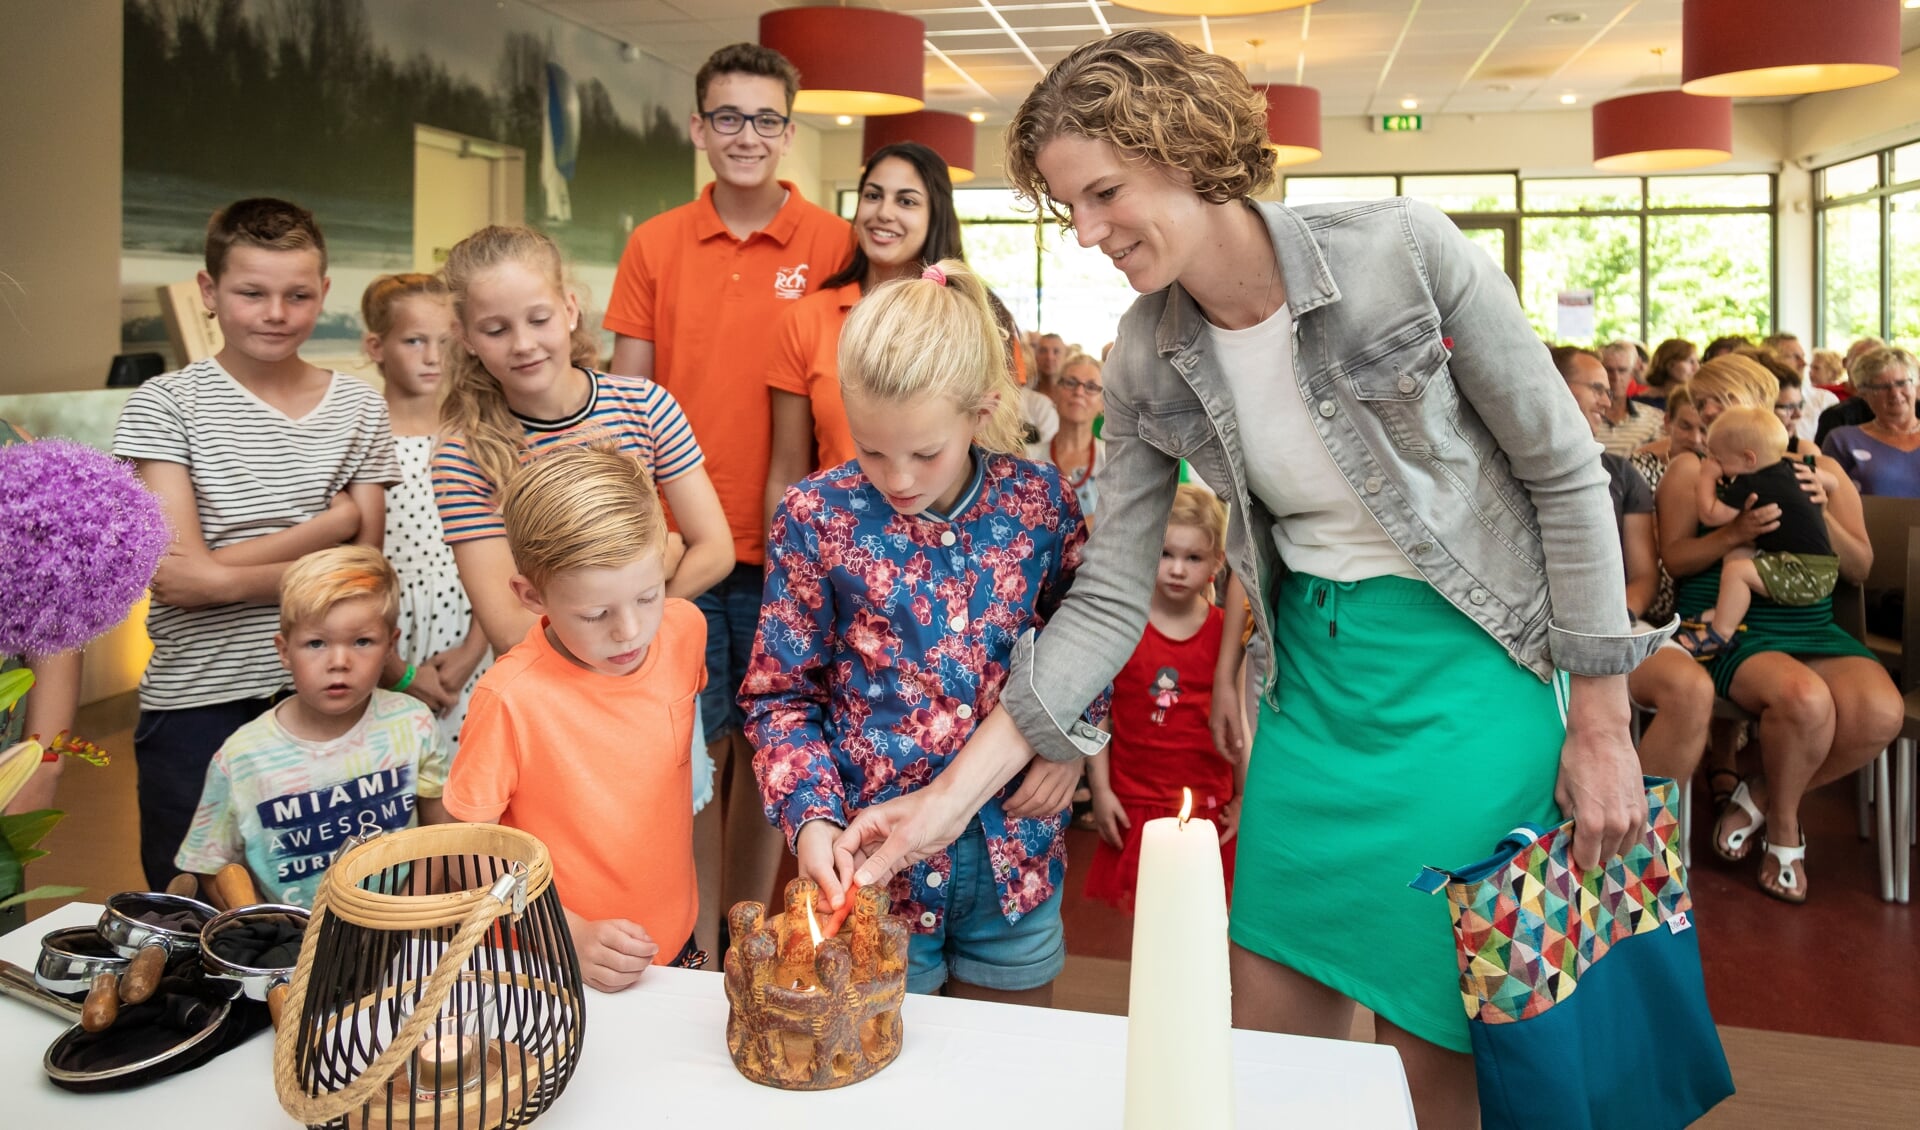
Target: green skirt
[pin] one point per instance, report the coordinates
(1805, 631)
(1404, 736)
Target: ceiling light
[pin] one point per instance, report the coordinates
(1660, 131)
(977, 116)
(1293, 122)
(1569, 99)
(1565, 18)
(843, 120)
(1753, 48)
(1409, 103)
(949, 135)
(1212, 7)
(886, 74)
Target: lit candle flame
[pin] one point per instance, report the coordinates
(1186, 806)
(813, 924)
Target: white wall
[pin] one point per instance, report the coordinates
(60, 194)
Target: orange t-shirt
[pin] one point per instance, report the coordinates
(713, 350)
(599, 768)
(806, 362)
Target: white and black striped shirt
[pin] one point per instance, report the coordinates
(255, 471)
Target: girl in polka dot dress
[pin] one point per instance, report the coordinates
(408, 322)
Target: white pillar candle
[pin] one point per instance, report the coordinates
(1180, 999)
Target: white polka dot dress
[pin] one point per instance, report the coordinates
(434, 613)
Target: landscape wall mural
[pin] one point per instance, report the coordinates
(316, 101)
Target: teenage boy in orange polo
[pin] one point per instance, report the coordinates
(694, 306)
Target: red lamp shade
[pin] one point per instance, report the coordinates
(1749, 48)
(851, 60)
(949, 135)
(1666, 129)
(1212, 7)
(1293, 122)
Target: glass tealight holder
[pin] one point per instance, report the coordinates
(452, 1054)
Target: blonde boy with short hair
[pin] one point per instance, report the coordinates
(340, 756)
(582, 733)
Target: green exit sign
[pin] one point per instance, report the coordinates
(1402, 123)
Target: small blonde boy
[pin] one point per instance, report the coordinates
(340, 756)
(582, 733)
(1747, 465)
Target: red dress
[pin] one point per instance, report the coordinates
(1162, 743)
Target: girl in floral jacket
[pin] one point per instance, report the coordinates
(897, 586)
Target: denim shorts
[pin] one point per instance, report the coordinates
(732, 609)
(975, 943)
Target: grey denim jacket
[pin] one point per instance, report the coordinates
(1440, 406)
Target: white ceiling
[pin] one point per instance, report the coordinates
(1366, 56)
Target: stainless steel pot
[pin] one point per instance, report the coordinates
(257, 983)
(77, 961)
(148, 946)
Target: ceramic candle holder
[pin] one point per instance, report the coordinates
(807, 1017)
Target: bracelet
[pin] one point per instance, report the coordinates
(406, 680)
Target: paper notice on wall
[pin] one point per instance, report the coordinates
(1574, 315)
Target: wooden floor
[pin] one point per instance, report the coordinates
(1786, 1080)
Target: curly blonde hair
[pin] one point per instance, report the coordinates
(1155, 99)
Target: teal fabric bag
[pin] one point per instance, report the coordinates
(1583, 990)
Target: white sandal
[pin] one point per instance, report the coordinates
(1735, 848)
(1788, 880)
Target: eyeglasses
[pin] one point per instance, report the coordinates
(1890, 386)
(1075, 384)
(1603, 391)
(766, 123)
(1790, 409)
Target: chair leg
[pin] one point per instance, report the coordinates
(1686, 823)
(1883, 819)
(1903, 809)
(1863, 798)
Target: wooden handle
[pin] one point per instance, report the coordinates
(186, 885)
(143, 975)
(102, 1006)
(233, 886)
(276, 1000)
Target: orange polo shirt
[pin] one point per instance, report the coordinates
(598, 767)
(806, 362)
(712, 351)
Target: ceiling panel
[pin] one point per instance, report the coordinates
(1364, 55)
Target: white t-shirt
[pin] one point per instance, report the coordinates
(255, 471)
(1321, 528)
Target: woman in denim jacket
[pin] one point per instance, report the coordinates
(1419, 515)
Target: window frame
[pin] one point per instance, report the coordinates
(1881, 195)
(1642, 215)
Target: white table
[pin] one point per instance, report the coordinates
(656, 1056)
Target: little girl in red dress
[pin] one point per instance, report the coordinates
(1162, 741)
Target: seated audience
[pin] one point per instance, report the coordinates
(1880, 456)
(1685, 432)
(1785, 350)
(1669, 684)
(339, 757)
(1076, 393)
(1721, 345)
(1625, 424)
(1674, 360)
(1828, 371)
(1825, 705)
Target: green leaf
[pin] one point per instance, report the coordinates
(25, 829)
(14, 685)
(47, 892)
(11, 873)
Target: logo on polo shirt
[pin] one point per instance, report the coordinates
(790, 282)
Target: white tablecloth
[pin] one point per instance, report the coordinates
(656, 1056)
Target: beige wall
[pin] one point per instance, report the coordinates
(1824, 128)
(60, 194)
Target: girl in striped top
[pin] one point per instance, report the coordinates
(514, 392)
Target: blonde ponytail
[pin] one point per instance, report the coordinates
(935, 335)
(476, 406)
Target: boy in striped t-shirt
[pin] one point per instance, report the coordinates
(259, 458)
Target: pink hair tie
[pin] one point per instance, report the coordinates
(935, 274)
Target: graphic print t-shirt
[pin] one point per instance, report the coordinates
(284, 805)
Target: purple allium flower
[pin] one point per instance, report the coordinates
(79, 540)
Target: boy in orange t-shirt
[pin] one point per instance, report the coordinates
(582, 734)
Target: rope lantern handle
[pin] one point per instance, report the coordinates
(508, 895)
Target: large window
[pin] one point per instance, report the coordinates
(1048, 281)
(1674, 256)
(1868, 227)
